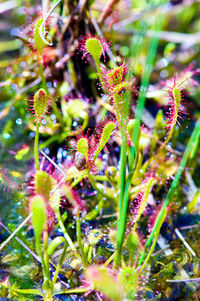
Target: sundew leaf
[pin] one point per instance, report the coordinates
(40, 104)
(39, 43)
(105, 136)
(142, 199)
(38, 215)
(121, 100)
(129, 280)
(44, 184)
(82, 147)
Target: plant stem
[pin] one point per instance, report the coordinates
(97, 62)
(66, 235)
(59, 265)
(121, 218)
(44, 83)
(46, 258)
(78, 234)
(36, 147)
(99, 190)
(194, 137)
(122, 225)
(39, 251)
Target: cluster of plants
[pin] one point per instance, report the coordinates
(94, 182)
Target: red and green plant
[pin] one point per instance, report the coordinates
(102, 156)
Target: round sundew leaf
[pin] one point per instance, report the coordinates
(129, 280)
(94, 47)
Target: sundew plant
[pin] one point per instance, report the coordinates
(99, 150)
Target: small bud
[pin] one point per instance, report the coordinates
(159, 120)
(130, 127)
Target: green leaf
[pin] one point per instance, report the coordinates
(38, 215)
(40, 104)
(82, 147)
(105, 136)
(54, 244)
(192, 204)
(30, 291)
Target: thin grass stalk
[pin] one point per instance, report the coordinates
(135, 138)
(66, 235)
(154, 242)
(78, 234)
(122, 176)
(59, 265)
(46, 259)
(194, 137)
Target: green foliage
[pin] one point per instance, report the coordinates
(40, 104)
(44, 184)
(121, 100)
(128, 277)
(103, 282)
(39, 43)
(82, 147)
(38, 211)
(104, 137)
(94, 47)
(110, 208)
